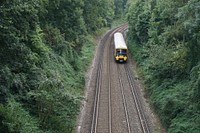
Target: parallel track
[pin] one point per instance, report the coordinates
(124, 102)
(94, 124)
(98, 93)
(140, 112)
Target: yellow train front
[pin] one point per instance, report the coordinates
(120, 52)
(121, 55)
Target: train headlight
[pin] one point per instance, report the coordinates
(125, 58)
(117, 58)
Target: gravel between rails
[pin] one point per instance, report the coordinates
(118, 114)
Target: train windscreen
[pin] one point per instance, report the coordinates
(121, 52)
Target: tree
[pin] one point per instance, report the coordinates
(164, 35)
(98, 13)
(119, 7)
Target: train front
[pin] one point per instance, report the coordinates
(121, 55)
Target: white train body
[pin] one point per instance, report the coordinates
(121, 51)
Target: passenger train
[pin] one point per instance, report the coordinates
(121, 51)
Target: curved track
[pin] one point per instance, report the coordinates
(114, 105)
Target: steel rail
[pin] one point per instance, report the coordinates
(140, 112)
(98, 90)
(95, 115)
(109, 89)
(124, 100)
(97, 94)
(96, 100)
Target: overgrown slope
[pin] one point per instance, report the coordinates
(45, 49)
(164, 38)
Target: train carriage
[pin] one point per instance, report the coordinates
(121, 51)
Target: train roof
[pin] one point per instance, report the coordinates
(119, 41)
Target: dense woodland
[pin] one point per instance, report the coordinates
(164, 37)
(45, 48)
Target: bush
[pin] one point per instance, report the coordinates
(18, 120)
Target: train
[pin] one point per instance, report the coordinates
(120, 50)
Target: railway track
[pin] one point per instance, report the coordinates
(115, 106)
(107, 91)
(133, 99)
(140, 111)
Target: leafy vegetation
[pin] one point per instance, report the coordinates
(45, 50)
(164, 39)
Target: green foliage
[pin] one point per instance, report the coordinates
(195, 78)
(56, 107)
(188, 18)
(55, 40)
(98, 14)
(164, 39)
(117, 22)
(87, 53)
(166, 62)
(182, 125)
(17, 119)
(135, 10)
(38, 46)
(119, 7)
(66, 15)
(44, 52)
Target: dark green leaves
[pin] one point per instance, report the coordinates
(98, 13)
(41, 74)
(165, 36)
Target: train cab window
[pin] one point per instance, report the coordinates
(121, 52)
